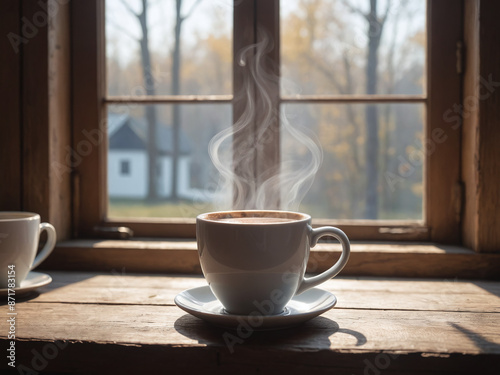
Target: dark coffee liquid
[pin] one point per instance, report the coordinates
(256, 220)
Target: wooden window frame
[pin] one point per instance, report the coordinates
(53, 93)
(442, 197)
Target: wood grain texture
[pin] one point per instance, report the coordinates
(112, 358)
(359, 230)
(59, 134)
(488, 190)
(121, 287)
(407, 326)
(89, 115)
(481, 120)
(470, 123)
(45, 118)
(10, 106)
(443, 167)
(394, 259)
(35, 119)
(375, 330)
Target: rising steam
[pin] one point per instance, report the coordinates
(282, 188)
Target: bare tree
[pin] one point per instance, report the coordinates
(176, 73)
(149, 87)
(374, 32)
(394, 62)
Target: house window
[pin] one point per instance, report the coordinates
(125, 167)
(340, 102)
(159, 168)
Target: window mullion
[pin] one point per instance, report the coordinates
(243, 152)
(268, 110)
(256, 98)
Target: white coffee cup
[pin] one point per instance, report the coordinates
(19, 238)
(254, 261)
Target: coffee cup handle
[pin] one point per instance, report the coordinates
(49, 245)
(316, 234)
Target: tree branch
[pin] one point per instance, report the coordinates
(122, 29)
(151, 3)
(191, 10)
(129, 8)
(347, 4)
(386, 13)
(328, 74)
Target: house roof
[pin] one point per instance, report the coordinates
(129, 133)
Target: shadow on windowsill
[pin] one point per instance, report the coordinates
(314, 334)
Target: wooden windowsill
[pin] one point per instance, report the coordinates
(122, 323)
(367, 259)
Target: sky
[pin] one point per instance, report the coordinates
(123, 30)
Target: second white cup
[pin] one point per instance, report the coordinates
(19, 238)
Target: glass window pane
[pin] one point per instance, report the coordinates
(198, 56)
(349, 185)
(335, 47)
(129, 178)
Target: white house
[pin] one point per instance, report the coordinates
(128, 159)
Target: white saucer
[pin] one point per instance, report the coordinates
(202, 303)
(33, 281)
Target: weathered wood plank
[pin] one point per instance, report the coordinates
(101, 336)
(45, 116)
(120, 288)
(346, 299)
(470, 122)
(488, 162)
(442, 164)
(59, 132)
(396, 260)
(91, 358)
(481, 100)
(338, 329)
(35, 119)
(121, 278)
(88, 80)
